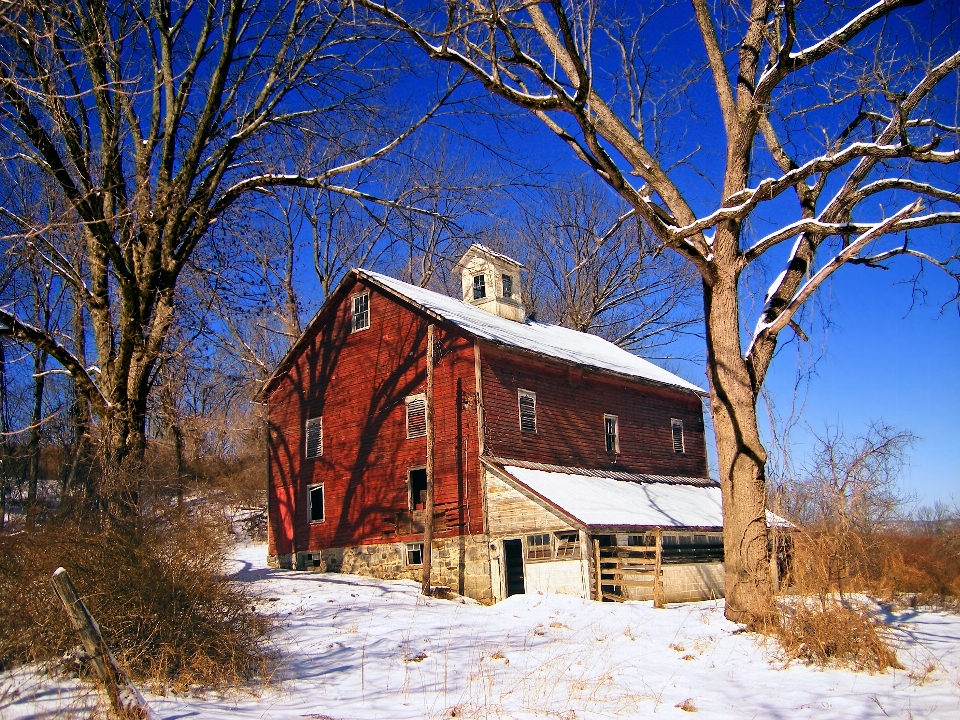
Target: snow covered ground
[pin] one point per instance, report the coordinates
(354, 647)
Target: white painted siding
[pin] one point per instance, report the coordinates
(556, 577)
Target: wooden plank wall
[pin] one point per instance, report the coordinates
(358, 383)
(571, 404)
(513, 513)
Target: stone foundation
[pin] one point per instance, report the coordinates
(460, 563)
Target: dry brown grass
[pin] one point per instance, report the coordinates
(166, 609)
(835, 633)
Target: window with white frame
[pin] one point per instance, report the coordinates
(315, 503)
(538, 546)
(479, 287)
(414, 553)
(416, 416)
(611, 432)
(568, 544)
(677, 427)
(313, 437)
(528, 410)
(360, 316)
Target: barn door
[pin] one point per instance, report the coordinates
(513, 562)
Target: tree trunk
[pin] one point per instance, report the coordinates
(33, 443)
(742, 459)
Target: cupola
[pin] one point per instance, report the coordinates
(491, 282)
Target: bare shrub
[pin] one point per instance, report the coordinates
(164, 605)
(835, 633)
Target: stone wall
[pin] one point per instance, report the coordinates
(461, 564)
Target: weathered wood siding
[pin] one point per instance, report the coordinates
(358, 382)
(513, 513)
(571, 404)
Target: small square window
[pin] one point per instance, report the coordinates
(528, 410)
(479, 287)
(611, 431)
(361, 312)
(538, 546)
(568, 545)
(315, 502)
(313, 437)
(417, 482)
(677, 427)
(507, 281)
(414, 553)
(416, 416)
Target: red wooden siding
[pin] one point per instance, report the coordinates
(358, 383)
(571, 404)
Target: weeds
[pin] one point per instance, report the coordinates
(836, 633)
(166, 609)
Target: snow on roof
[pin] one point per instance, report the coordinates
(606, 501)
(551, 340)
(493, 253)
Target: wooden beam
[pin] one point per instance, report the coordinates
(657, 572)
(428, 509)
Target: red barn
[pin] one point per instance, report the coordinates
(560, 459)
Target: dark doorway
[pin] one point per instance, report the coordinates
(513, 561)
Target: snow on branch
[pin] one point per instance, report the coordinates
(773, 326)
(818, 227)
(11, 326)
(770, 188)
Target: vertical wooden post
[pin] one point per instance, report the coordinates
(596, 565)
(126, 701)
(657, 582)
(428, 505)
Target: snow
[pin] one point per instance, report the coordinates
(611, 502)
(357, 648)
(551, 340)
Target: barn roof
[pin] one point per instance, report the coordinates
(621, 501)
(548, 340)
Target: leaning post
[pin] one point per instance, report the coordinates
(125, 699)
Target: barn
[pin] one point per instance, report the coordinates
(561, 463)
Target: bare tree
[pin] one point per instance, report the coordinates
(595, 268)
(150, 121)
(834, 126)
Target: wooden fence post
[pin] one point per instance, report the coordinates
(596, 566)
(657, 582)
(125, 699)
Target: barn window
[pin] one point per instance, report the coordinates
(313, 434)
(611, 431)
(417, 483)
(414, 552)
(417, 416)
(528, 410)
(479, 287)
(677, 427)
(315, 503)
(507, 281)
(568, 545)
(538, 546)
(361, 311)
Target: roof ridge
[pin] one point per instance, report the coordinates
(627, 476)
